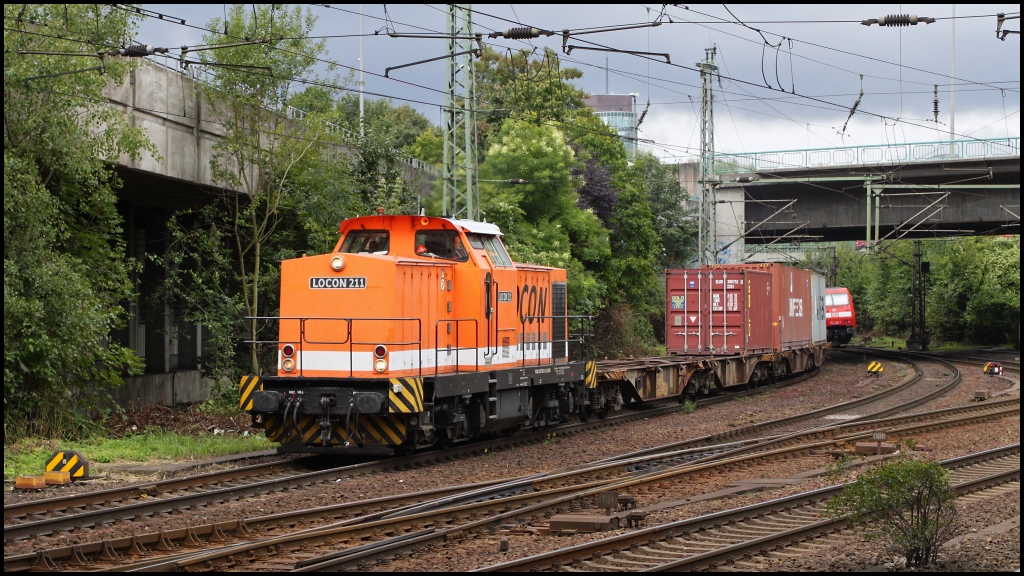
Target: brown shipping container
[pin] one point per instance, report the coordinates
(721, 312)
(793, 303)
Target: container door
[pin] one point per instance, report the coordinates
(686, 301)
(760, 333)
(797, 307)
(727, 315)
(819, 330)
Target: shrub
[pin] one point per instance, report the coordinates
(909, 501)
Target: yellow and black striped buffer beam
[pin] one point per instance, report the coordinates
(405, 396)
(273, 428)
(590, 379)
(388, 430)
(875, 368)
(364, 430)
(246, 388)
(68, 461)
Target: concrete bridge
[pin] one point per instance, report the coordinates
(870, 193)
(184, 128)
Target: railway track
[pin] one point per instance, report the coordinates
(723, 539)
(436, 515)
(190, 494)
(414, 521)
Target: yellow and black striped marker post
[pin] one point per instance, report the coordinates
(875, 369)
(68, 461)
(246, 388)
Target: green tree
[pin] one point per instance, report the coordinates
(541, 220)
(399, 125)
(515, 84)
(298, 178)
(261, 149)
(974, 293)
(428, 146)
(617, 249)
(857, 271)
(65, 270)
(907, 500)
(673, 222)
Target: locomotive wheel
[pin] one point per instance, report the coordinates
(585, 412)
(444, 441)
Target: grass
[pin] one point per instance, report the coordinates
(880, 342)
(27, 456)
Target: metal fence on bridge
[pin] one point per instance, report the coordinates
(859, 155)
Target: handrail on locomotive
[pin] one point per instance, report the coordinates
(583, 339)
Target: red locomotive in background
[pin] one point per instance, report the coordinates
(840, 316)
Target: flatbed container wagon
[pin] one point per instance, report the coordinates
(766, 319)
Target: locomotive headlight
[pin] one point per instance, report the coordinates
(288, 364)
(380, 365)
(288, 350)
(337, 263)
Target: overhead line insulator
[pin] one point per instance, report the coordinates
(896, 20)
(520, 33)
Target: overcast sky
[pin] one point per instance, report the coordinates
(789, 74)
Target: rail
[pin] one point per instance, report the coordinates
(876, 154)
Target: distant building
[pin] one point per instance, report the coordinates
(618, 111)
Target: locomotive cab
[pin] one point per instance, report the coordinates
(415, 330)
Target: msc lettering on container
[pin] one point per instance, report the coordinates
(337, 282)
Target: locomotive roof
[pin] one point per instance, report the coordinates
(477, 227)
(471, 226)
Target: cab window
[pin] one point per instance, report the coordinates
(366, 242)
(495, 249)
(445, 244)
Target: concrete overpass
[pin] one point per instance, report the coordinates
(870, 193)
(183, 126)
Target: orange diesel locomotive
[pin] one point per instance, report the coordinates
(417, 331)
